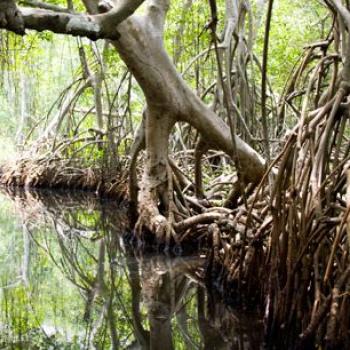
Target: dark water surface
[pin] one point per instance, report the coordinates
(69, 280)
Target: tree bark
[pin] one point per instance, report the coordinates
(10, 17)
(99, 26)
(169, 100)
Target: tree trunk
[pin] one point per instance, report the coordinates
(169, 100)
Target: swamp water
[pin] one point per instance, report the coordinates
(68, 280)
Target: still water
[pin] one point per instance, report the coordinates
(69, 280)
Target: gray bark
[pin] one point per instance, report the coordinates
(99, 26)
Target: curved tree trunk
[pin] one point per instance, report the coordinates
(169, 99)
(141, 47)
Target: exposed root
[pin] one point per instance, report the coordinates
(292, 255)
(57, 173)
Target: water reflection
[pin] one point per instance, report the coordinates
(68, 280)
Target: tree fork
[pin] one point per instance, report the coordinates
(168, 97)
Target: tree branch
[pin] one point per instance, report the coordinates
(64, 23)
(157, 11)
(342, 11)
(10, 17)
(101, 26)
(123, 10)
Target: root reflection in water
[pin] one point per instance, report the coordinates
(69, 280)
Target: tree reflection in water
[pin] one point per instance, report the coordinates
(69, 281)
